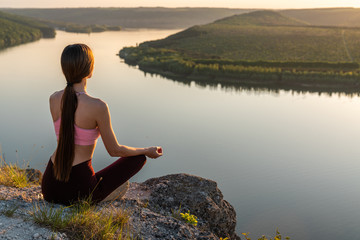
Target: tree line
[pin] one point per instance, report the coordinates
(171, 61)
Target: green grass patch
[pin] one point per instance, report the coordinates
(12, 176)
(84, 221)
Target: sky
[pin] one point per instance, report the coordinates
(274, 4)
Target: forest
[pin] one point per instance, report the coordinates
(16, 30)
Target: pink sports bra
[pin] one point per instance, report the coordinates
(83, 136)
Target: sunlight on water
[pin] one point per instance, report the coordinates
(283, 159)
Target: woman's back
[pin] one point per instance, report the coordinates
(85, 120)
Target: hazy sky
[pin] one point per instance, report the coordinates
(182, 3)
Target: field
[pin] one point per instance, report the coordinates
(345, 17)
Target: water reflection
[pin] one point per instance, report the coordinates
(258, 87)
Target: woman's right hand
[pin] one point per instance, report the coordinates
(154, 152)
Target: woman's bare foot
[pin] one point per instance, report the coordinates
(117, 193)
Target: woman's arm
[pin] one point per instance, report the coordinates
(103, 120)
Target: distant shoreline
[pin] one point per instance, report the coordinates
(185, 70)
(309, 86)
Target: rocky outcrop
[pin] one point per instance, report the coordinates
(168, 195)
(155, 206)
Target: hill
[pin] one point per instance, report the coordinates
(15, 30)
(344, 17)
(161, 18)
(255, 46)
(46, 31)
(261, 18)
(267, 36)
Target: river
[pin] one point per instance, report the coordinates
(283, 159)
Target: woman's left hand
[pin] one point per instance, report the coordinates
(154, 152)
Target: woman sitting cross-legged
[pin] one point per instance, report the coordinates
(79, 120)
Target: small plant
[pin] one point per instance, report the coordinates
(277, 237)
(189, 218)
(176, 213)
(146, 204)
(9, 212)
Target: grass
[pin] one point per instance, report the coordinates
(84, 221)
(9, 212)
(11, 175)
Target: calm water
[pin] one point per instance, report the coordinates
(282, 159)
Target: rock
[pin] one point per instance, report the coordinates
(200, 196)
(36, 235)
(33, 175)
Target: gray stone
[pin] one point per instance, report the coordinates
(36, 235)
(33, 175)
(199, 196)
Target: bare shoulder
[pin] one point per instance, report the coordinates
(56, 96)
(55, 101)
(97, 104)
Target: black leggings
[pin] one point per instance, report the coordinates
(85, 183)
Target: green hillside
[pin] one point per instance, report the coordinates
(261, 45)
(158, 17)
(15, 30)
(253, 37)
(261, 18)
(46, 31)
(12, 33)
(349, 17)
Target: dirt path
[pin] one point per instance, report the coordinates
(345, 46)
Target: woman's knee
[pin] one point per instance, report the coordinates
(140, 160)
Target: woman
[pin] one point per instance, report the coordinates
(79, 120)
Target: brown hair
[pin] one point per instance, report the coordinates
(77, 62)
